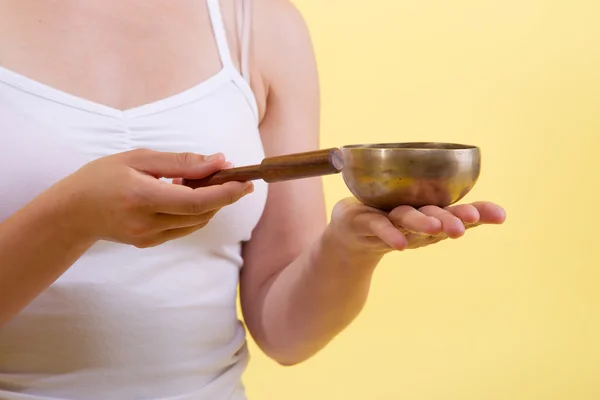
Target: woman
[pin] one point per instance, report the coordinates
(116, 283)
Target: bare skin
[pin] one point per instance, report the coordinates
(296, 296)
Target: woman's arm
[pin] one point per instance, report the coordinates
(295, 300)
(304, 280)
(116, 198)
(37, 244)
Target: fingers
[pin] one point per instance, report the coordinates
(175, 165)
(165, 222)
(408, 228)
(465, 212)
(490, 213)
(432, 220)
(451, 225)
(416, 241)
(179, 181)
(479, 213)
(181, 200)
(373, 224)
(415, 221)
(166, 236)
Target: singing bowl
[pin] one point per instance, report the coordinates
(388, 175)
(383, 176)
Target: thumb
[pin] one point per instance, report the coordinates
(176, 165)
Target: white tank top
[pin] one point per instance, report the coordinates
(128, 323)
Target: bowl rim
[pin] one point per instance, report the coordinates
(421, 146)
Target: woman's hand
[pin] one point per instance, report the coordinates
(362, 228)
(121, 198)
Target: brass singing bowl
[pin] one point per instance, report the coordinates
(417, 174)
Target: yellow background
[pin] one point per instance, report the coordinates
(508, 312)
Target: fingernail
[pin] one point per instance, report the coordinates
(248, 188)
(228, 165)
(213, 157)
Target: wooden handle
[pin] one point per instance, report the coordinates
(242, 174)
(276, 169)
(302, 165)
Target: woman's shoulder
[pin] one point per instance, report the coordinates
(281, 13)
(279, 25)
(280, 44)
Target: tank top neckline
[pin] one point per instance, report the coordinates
(227, 73)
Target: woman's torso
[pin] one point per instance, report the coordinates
(85, 79)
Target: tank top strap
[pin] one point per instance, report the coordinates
(244, 19)
(218, 26)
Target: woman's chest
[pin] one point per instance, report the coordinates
(117, 53)
(43, 140)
